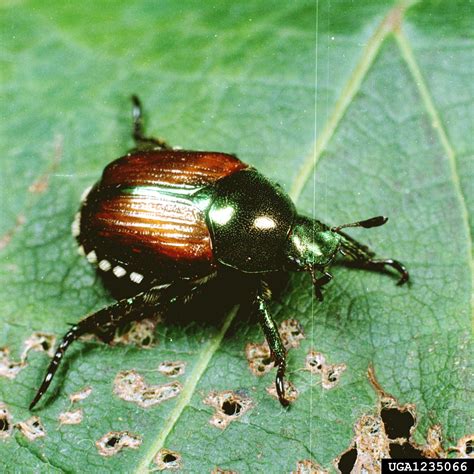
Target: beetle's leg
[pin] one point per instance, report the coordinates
(274, 341)
(106, 321)
(98, 323)
(318, 283)
(364, 257)
(142, 142)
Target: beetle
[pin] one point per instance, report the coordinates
(166, 221)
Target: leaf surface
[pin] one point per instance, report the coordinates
(356, 108)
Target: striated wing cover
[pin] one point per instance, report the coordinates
(171, 168)
(142, 216)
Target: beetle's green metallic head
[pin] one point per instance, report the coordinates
(311, 244)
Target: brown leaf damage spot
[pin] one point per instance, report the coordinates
(114, 441)
(39, 342)
(291, 333)
(80, 395)
(369, 447)
(308, 467)
(32, 428)
(259, 358)
(218, 470)
(228, 405)
(434, 443)
(130, 386)
(387, 433)
(172, 369)
(465, 447)
(6, 426)
(140, 333)
(165, 459)
(291, 392)
(330, 373)
(7, 237)
(8, 368)
(72, 417)
(259, 355)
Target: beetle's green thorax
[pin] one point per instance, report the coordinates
(250, 218)
(311, 244)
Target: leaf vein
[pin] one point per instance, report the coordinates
(351, 88)
(187, 392)
(428, 102)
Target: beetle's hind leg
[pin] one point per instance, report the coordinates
(273, 338)
(106, 321)
(142, 142)
(363, 257)
(103, 324)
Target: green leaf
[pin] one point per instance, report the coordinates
(356, 108)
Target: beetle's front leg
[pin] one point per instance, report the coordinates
(318, 283)
(363, 257)
(274, 340)
(106, 321)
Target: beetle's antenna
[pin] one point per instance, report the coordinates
(366, 224)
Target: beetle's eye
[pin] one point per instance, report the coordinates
(264, 222)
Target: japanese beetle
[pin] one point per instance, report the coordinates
(167, 221)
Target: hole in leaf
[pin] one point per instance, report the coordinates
(397, 423)
(331, 376)
(347, 461)
(315, 363)
(172, 369)
(168, 457)
(4, 425)
(31, 428)
(39, 342)
(112, 441)
(405, 450)
(231, 408)
(470, 447)
(45, 345)
(168, 460)
(228, 406)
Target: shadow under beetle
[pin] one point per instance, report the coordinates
(165, 222)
